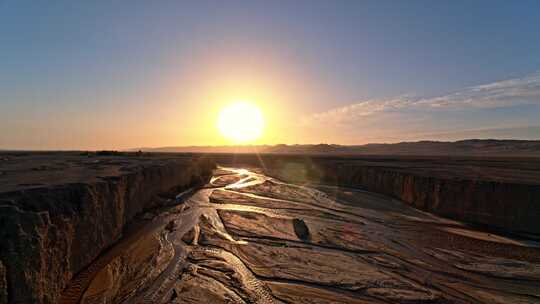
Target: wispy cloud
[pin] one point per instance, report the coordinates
(365, 108)
(506, 93)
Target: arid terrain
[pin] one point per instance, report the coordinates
(287, 152)
(279, 233)
(249, 238)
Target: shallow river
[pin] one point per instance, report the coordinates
(249, 238)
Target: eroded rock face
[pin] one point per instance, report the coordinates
(507, 206)
(50, 232)
(498, 193)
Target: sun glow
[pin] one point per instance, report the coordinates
(241, 122)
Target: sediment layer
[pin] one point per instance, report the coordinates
(498, 193)
(52, 229)
(506, 206)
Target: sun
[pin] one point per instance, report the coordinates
(241, 122)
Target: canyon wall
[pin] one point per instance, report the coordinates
(509, 207)
(49, 233)
(501, 194)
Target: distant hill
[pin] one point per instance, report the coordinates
(470, 147)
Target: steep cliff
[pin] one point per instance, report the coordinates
(50, 231)
(499, 193)
(510, 207)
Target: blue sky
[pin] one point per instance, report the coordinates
(138, 73)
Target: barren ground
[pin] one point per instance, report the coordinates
(249, 238)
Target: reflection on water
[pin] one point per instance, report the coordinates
(255, 239)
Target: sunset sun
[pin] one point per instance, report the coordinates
(241, 122)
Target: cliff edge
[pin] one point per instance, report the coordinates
(502, 194)
(59, 211)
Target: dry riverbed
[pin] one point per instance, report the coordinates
(249, 238)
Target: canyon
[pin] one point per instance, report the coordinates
(221, 228)
(59, 212)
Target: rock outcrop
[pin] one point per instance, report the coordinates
(49, 232)
(301, 229)
(510, 207)
(503, 194)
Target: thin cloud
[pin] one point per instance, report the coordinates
(351, 113)
(506, 93)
